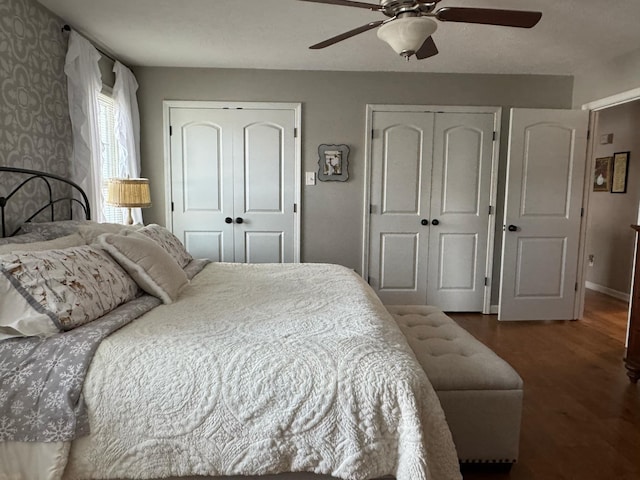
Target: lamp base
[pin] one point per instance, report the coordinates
(129, 219)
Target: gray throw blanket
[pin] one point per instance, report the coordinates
(41, 379)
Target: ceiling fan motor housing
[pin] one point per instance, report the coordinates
(393, 8)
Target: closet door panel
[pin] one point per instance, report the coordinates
(201, 181)
(400, 191)
(461, 185)
(264, 186)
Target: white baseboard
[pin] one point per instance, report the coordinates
(608, 291)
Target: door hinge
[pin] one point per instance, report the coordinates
(486, 281)
(373, 134)
(490, 209)
(495, 134)
(576, 286)
(172, 206)
(295, 208)
(295, 133)
(170, 130)
(582, 212)
(371, 209)
(588, 134)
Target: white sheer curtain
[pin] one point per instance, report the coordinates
(127, 126)
(84, 82)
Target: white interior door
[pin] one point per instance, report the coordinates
(264, 166)
(545, 179)
(401, 151)
(202, 181)
(460, 199)
(234, 183)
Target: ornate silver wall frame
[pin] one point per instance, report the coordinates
(333, 164)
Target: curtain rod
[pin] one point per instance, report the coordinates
(67, 28)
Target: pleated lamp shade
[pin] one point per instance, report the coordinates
(129, 193)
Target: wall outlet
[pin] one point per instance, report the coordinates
(591, 258)
(310, 178)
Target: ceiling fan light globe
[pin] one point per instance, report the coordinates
(407, 34)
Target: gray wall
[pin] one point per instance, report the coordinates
(607, 77)
(35, 131)
(609, 237)
(333, 106)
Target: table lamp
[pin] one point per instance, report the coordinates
(129, 193)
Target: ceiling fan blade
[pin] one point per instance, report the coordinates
(345, 35)
(428, 49)
(347, 3)
(489, 16)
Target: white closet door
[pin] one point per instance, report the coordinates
(233, 183)
(545, 179)
(202, 181)
(459, 219)
(400, 190)
(264, 186)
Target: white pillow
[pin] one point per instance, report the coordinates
(153, 269)
(42, 293)
(166, 240)
(74, 240)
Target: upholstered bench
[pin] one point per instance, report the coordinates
(480, 393)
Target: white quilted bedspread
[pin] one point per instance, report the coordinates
(261, 369)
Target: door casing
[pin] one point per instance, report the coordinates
(594, 107)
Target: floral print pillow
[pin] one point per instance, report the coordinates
(168, 241)
(57, 290)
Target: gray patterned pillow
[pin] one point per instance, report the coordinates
(20, 239)
(87, 228)
(73, 240)
(45, 292)
(166, 240)
(51, 230)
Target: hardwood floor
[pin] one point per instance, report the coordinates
(581, 416)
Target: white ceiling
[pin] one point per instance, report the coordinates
(275, 34)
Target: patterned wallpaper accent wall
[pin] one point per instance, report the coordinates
(35, 130)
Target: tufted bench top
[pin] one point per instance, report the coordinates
(452, 358)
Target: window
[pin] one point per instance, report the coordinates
(108, 153)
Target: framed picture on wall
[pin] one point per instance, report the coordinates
(620, 171)
(333, 164)
(602, 174)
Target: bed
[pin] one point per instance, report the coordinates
(293, 370)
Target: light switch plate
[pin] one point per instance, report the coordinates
(606, 139)
(310, 178)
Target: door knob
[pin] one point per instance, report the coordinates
(435, 222)
(512, 228)
(424, 221)
(239, 220)
(228, 220)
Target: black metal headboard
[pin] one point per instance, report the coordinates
(33, 175)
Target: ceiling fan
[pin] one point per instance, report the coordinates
(411, 23)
